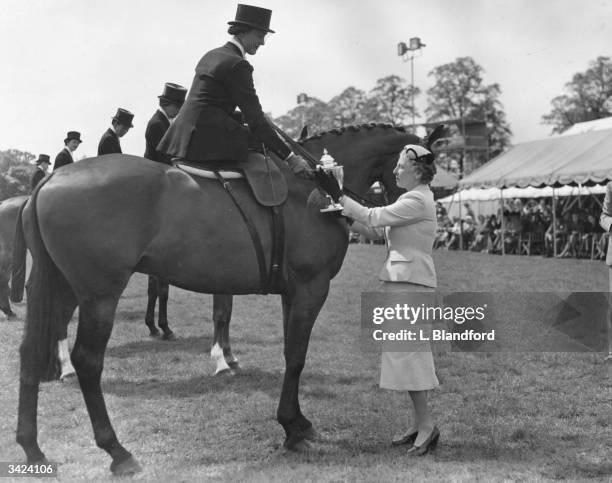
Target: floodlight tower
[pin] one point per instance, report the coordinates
(408, 52)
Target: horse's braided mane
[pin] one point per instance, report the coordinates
(353, 128)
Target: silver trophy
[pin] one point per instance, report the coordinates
(328, 164)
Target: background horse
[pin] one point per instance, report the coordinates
(92, 224)
(9, 211)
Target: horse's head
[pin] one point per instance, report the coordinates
(368, 152)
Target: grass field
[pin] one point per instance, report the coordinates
(503, 417)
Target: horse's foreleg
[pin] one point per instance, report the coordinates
(95, 326)
(152, 299)
(221, 351)
(163, 289)
(300, 310)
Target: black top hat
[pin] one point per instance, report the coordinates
(255, 17)
(73, 135)
(174, 93)
(124, 116)
(43, 158)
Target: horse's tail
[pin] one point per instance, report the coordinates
(19, 260)
(44, 315)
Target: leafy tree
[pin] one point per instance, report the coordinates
(348, 108)
(15, 173)
(459, 93)
(313, 112)
(588, 97)
(390, 101)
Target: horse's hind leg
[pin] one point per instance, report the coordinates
(221, 351)
(95, 326)
(151, 300)
(163, 289)
(300, 310)
(5, 305)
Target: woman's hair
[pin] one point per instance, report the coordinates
(238, 29)
(424, 165)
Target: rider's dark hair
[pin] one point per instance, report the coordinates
(238, 29)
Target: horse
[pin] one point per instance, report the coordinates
(368, 148)
(372, 148)
(122, 214)
(9, 211)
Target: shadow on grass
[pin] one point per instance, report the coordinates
(198, 345)
(243, 382)
(193, 344)
(315, 386)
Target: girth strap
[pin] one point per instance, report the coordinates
(278, 248)
(267, 278)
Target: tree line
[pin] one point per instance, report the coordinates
(458, 92)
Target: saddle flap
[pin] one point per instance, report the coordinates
(263, 176)
(266, 180)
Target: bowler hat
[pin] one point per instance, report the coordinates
(73, 135)
(43, 158)
(255, 17)
(124, 117)
(174, 93)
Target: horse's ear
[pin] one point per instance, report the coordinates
(304, 133)
(434, 136)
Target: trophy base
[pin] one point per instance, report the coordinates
(332, 208)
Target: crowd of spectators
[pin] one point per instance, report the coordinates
(528, 229)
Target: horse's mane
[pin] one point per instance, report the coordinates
(354, 128)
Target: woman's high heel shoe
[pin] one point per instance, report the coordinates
(429, 444)
(406, 438)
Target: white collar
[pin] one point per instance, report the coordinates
(235, 41)
(164, 114)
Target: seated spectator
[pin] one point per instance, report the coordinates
(442, 231)
(575, 229)
(482, 236)
(455, 235)
(469, 231)
(561, 232)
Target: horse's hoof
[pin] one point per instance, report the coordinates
(234, 366)
(226, 372)
(127, 467)
(311, 434)
(154, 332)
(67, 375)
(301, 446)
(169, 336)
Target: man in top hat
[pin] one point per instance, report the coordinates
(204, 129)
(42, 167)
(72, 141)
(170, 103)
(122, 122)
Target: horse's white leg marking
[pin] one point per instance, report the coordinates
(64, 357)
(216, 355)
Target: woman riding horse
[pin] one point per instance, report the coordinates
(205, 128)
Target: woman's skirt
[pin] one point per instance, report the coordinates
(407, 371)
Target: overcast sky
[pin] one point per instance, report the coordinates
(68, 64)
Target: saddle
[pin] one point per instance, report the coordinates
(261, 173)
(269, 189)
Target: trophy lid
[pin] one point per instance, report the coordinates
(326, 159)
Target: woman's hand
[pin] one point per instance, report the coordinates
(329, 184)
